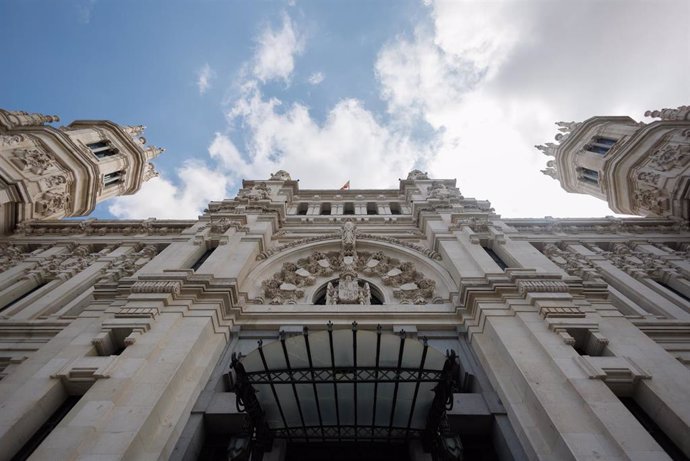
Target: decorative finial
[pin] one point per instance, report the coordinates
(681, 113)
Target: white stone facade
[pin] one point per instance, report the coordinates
(562, 329)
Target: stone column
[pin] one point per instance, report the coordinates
(30, 395)
(140, 410)
(558, 412)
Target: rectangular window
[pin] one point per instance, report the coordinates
(372, 208)
(588, 175)
(349, 208)
(600, 145)
(325, 209)
(395, 208)
(102, 149)
(302, 208)
(113, 178)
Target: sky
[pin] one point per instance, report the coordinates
(363, 91)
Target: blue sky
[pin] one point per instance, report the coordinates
(332, 91)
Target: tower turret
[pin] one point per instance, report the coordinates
(49, 172)
(638, 168)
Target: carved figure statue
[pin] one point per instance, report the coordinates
(348, 290)
(415, 175)
(349, 237)
(280, 175)
(365, 294)
(149, 172)
(33, 160)
(257, 192)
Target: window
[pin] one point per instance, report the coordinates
(325, 209)
(372, 208)
(102, 149)
(302, 208)
(113, 178)
(349, 208)
(395, 208)
(588, 175)
(600, 145)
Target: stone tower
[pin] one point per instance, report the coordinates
(638, 168)
(51, 173)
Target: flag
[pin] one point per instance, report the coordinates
(346, 186)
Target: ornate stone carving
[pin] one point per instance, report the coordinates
(280, 175)
(548, 148)
(348, 291)
(681, 113)
(439, 191)
(53, 181)
(52, 202)
(149, 172)
(542, 286)
(567, 127)
(133, 130)
(649, 177)
(33, 160)
(257, 192)
(9, 140)
(171, 286)
(416, 175)
(127, 265)
(284, 287)
(11, 255)
(66, 265)
(411, 285)
(650, 199)
(22, 118)
(669, 157)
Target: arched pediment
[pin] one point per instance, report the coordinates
(401, 275)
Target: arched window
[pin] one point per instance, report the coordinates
(372, 208)
(325, 208)
(349, 208)
(395, 207)
(302, 208)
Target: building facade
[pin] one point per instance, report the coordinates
(288, 324)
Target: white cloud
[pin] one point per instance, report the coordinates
(160, 198)
(316, 78)
(350, 144)
(275, 55)
(492, 78)
(204, 77)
